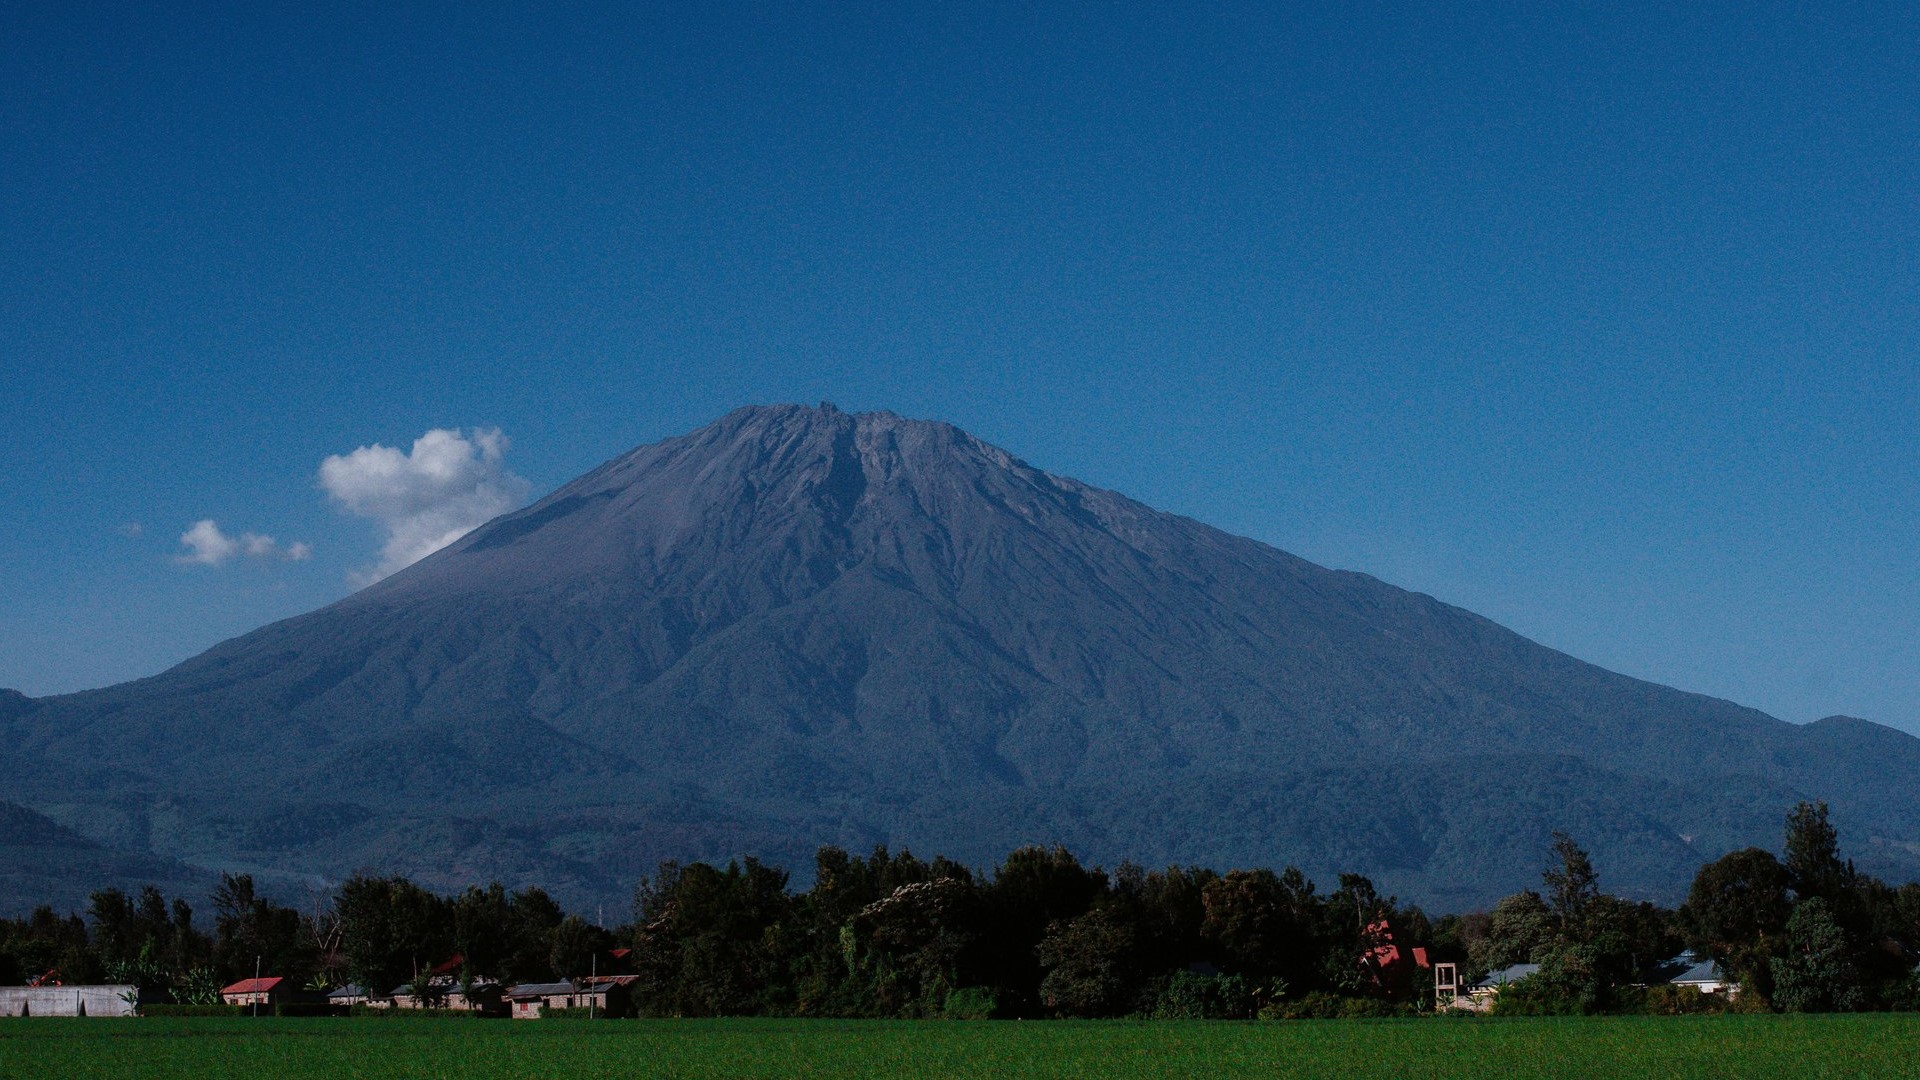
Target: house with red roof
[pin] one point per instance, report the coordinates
(266, 991)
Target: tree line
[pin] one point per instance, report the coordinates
(1040, 935)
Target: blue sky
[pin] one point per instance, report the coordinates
(1600, 321)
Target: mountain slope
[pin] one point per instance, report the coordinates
(798, 626)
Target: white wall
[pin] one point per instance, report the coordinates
(65, 1000)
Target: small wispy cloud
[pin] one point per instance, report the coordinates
(131, 530)
(208, 545)
(425, 499)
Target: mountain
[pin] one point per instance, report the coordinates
(42, 862)
(800, 626)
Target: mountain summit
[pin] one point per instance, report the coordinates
(799, 626)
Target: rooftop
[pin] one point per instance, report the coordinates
(1512, 973)
(527, 990)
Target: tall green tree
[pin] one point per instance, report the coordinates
(1091, 964)
(701, 936)
(391, 930)
(1816, 972)
(1519, 927)
(250, 931)
(907, 951)
(1265, 926)
(1737, 911)
(575, 946)
(1814, 866)
(1572, 884)
(1168, 909)
(1030, 891)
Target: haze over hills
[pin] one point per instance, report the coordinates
(799, 626)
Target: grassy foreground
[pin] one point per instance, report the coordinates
(320, 1049)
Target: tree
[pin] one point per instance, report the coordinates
(1032, 889)
(820, 943)
(1168, 909)
(1519, 927)
(700, 946)
(1624, 939)
(250, 931)
(1090, 965)
(906, 950)
(1813, 860)
(1572, 884)
(1264, 925)
(1737, 911)
(1569, 982)
(391, 930)
(1816, 972)
(532, 919)
(483, 929)
(576, 942)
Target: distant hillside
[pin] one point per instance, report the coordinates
(798, 626)
(42, 862)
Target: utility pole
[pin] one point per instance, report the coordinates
(593, 982)
(256, 986)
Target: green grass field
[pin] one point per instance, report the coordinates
(320, 1049)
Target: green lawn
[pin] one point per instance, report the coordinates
(320, 1049)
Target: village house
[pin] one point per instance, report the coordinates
(1702, 973)
(610, 995)
(444, 992)
(264, 992)
(607, 995)
(347, 996)
(532, 1000)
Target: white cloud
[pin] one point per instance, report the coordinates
(447, 486)
(207, 545)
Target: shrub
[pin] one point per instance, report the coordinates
(1681, 1001)
(435, 1014)
(970, 1003)
(1366, 1008)
(1192, 996)
(308, 1008)
(194, 1010)
(1535, 996)
(1320, 1005)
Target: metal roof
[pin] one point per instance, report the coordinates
(1688, 969)
(1706, 971)
(541, 989)
(1505, 975)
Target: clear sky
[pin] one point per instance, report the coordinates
(1602, 322)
